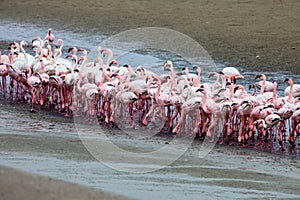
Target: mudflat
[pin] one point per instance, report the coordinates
(16, 185)
(248, 34)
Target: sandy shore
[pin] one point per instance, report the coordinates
(233, 32)
(17, 185)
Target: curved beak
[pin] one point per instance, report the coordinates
(258, 76)
(236, 88)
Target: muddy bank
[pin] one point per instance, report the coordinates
(242, 33)
(16, 185)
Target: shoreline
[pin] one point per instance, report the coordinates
(17, 185)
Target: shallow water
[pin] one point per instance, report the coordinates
(226, 173)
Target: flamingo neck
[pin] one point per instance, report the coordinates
(263, 85)
(157, 92)
(290, 98)
(99, 58)
(57, 54)
(242, 92)
(29, 74)
(203, 101)
(187, 73)
(275, 91)
(61, 45)
(223, 81)
(23, 51)
(196, 82)
(143, 75)
(42, 67)
(109, 59)
(231, 91)
(10, 57)
(79, 82)
(172, 79)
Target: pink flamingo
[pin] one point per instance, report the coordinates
(295, 122)
(50, 37)
(3, 74)
(293, 90)
(232, 71)
(34, 81)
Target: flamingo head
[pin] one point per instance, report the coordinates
(289, 81)
(114, 62)
(82, 50)
(260, 122)
(201, 89)
(222, 75)
(34, 39)
(197, 68)
(214, 74)
(69, 56)
(27, 72)
(25, 44)
(105, 52)
(232, 79)
(81, 58)
(168, 63)
(238, 76)
(59, 41)
(239, 87)
(261, 76)
(73, 49)
(168, 66)
(228, 83)
(140, 69)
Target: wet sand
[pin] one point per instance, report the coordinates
(233, 32)
(17, 185)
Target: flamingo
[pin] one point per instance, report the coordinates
(232, 71)
(123, 100)
(292, 89)
(83, 89)
(50, 37)
(4, 58)
(37, 42)
(188, 76)
(34, 81)
(3, 74)
(21, 61)
(295, 122)
(211, 109)
(119, 92)
(264, 85)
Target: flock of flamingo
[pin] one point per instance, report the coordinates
(178, 100)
